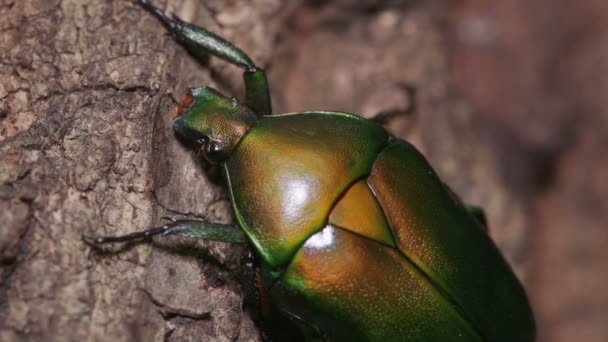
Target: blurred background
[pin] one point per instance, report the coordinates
(535, 73)
(507, 99)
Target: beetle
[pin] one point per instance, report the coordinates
(355, 238)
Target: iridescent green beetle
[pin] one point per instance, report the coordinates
(355, 237)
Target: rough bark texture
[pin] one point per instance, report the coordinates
(86, 147)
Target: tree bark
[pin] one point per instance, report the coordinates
(87, 148)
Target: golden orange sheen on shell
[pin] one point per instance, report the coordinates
(359, 212)
(352, 287)
(289, 170)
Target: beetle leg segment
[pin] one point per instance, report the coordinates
(198, 40)
(479, 214)
(475, 211)
(275, 324)
(257, 91)
(385, 117)
(189, 228)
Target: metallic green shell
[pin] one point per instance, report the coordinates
(355, 289)
(289, 170)
(435, 232)
(437, 276)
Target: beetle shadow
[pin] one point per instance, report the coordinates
(218, 273)
(174, 245)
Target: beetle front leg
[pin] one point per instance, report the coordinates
(197, 40)
(189, 228)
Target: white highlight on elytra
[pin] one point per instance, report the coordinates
(296, 192)
(322, 239)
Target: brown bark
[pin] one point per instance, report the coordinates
(87, 148)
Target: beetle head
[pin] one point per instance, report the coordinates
(215, 123)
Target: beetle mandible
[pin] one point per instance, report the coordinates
(354, 235)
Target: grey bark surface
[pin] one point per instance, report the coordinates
(87, 148)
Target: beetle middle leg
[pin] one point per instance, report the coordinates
(385, 117)
(275, 324)
(189, 228)
(479, 214)
(198, 40)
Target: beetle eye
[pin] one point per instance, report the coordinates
(214, 152)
